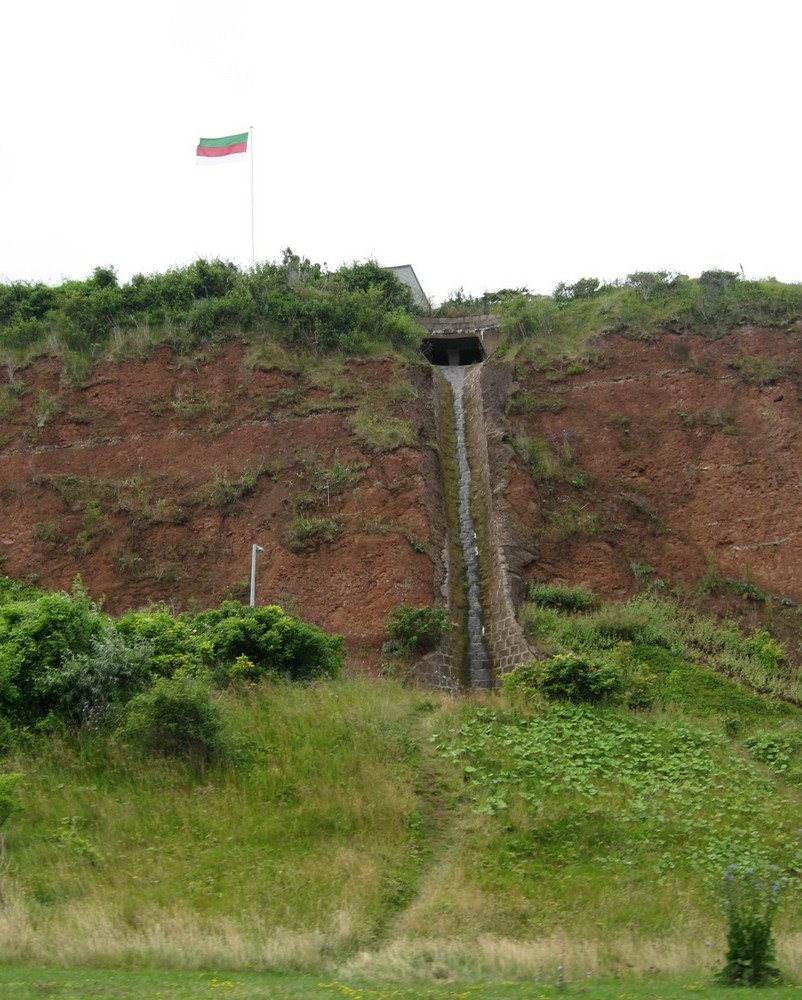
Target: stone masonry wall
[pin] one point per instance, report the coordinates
(506, 643)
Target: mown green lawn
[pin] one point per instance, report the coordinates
(76, 984)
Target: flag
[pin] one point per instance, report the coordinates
(227, 147)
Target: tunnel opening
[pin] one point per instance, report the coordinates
(450, 350)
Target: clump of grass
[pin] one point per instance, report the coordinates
(223, 491)
(526, 404)
(648, 620)
(47, 531)
(759, 371)
(548, 461)
(9, 402)
(380, 432)
(563, 598)
(307, 533)
(569, 521)
(268, 354)
(325, 482)
(196, 406)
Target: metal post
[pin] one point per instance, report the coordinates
(256, 548)
(253, 239)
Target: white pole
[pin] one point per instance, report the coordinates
(256, 548)
(253, 241)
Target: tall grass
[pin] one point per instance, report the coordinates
(307, 842)
(375, 831)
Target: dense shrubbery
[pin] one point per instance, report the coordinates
(348, 309)
(272, 642)
(64, 661)
(358, 306)
(36, 637)
(581, 678)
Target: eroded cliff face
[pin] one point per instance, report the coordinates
(667, 458)
(154, 478)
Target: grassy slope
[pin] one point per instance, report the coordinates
(376, 831)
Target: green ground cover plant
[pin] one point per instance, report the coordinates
(669, 638)
(308, 533)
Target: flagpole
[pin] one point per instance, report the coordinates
(253, 242)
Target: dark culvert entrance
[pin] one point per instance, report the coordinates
(453, 350)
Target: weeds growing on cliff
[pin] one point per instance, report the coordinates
(224, 490)
(380, 432)
(547, 461)
(324, 482)
(307, 533)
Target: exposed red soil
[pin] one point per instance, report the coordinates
(158, 442)
(691, 460)
(681, 456)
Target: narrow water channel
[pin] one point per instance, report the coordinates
(479, 674)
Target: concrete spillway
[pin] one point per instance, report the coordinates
(477, 661)
(484, 547)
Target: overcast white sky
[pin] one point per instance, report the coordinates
(487, 144)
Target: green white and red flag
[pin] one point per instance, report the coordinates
(226, 148)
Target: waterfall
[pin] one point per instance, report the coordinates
(479, 671)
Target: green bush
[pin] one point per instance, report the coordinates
(174, 643)
(349, 310)
(88, 686)
(412, 631)
(271, 641)
(579, 678)
(176, 718)
(36, 637)
(616, 677)
(306, 533)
